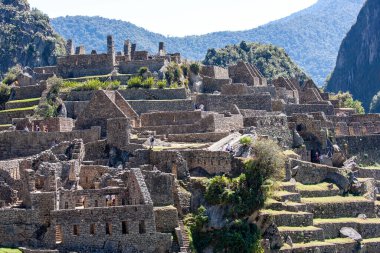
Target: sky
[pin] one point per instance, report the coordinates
(179, 17)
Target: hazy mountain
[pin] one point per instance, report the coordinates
(311, 37)
(26, 36)
(358, 64)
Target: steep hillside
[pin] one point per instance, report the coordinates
(311, 36)
(26, 36)
(358, 64)
(273, 62)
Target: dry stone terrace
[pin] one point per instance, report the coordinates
(91, 181)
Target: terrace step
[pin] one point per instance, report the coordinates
(368, 228)
(287, 196)
(339, 207)
(288, 206)
(317, 190)
(14, 104)
(302, 234)
(294, 219)
(371, 245)
(311, 247)
(287, 186)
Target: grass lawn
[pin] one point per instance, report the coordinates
(24, 100)
(6, 250)
(334, 199)
(315, 187)
(19, 109)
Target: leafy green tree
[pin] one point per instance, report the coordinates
(346, 100)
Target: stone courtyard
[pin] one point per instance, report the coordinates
(117, 169)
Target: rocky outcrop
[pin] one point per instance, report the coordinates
(358, 63)
(26, 36)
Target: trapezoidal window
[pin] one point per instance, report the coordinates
(108, 229)
(124, 227)
(76, 230)
(92, 229)
(142, 229)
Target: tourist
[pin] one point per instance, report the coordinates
(37, 128)
(151, 142)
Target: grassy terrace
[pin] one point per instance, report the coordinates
(19, 109)
(6, 250)
(347, 220)
(335, 199)
(309, 228)
(315, 187)
(307, 245)
(24, 100)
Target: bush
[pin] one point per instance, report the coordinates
(185, 69)
(113, 85)
(93, 84)
(5, 92)
(346, 100)
(173, 73)
(142, 71)
(162, 84)
(245, 141)
(12, 74)
(174, 85)
(195, 68)
(134, 82)
(148, 83)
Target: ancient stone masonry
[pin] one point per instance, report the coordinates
(120, 169)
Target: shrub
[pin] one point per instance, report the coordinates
(173, 73)
(12, 74)
(245, 141)
(162, 84)
(148, 83)
(113, 85)
(195, 68)
(93, 84)
(142, 71)
(134, 82)
(174, 85)
(185, 69)
(5, 92)
(346, 100)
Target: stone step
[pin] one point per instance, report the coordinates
(288, 206)
(344, 245)
(291, 219)
(311, 247)
(370, 172)
(317, 190)
(15, 104)
(287, 196)
(368, 228)
(302, 234)
(287, 186)
(339, 207)
(371, 245)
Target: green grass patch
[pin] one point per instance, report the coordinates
(309, 228)
(334, 199)
(347, 220)
(24, 100)
(19, 109)
(315, 187)
(7, 250)
(275, 212)
(376, 239)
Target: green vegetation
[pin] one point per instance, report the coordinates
(92, 84)
(24, 100)
(195, 68)
(346, 101)
(241, 196)
(245, 141)
(148, 83)
(161, 84)
(134, 82)
(272, 61)
(174, 73)
(5, 92)
(27, 38)
(12, 74)
(19, 109)
(7, 250)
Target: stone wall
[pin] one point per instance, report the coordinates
(210, 85)
(215, 72)
(197, 137)
(166, 219)
(223, 103)
(144, 106)
(55, 124)
(328, 109)
(20, 144)
(132, 67)
(7, 116)
(84, 65)
(34, 91)
(161, 186)
(366, 148)
(110, 229)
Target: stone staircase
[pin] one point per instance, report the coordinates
(309, 218)
(185, 241)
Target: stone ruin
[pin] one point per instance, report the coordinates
(90, 182)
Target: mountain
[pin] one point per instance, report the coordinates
(311, 37)
(26, 36)
(272, 61)
(358, 63)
